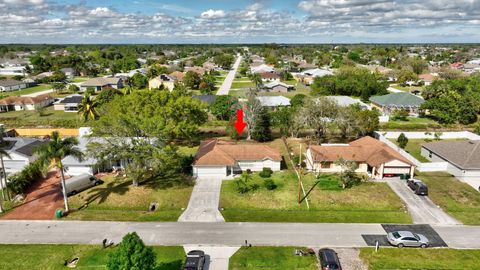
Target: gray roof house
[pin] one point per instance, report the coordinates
(68, 104)
(21, 151)
(398, 101)
(273, 101)
(463, 158)
(346, 101)
(102, 82)
(11, 85)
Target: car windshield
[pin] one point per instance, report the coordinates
(396, 235)
(416, 236)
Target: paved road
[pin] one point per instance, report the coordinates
(203, 204)
(421, 208)
(216, 234)
(39, 93)
(227, 83)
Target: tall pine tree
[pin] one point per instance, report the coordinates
(261, 131)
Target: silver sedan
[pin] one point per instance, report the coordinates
(407, 239)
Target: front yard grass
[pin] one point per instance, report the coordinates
(48, 118)
(52, 257)
(394, 258)
(366, 203)
(118, 200)
(271, 258)
(455, 197)
(414, 147)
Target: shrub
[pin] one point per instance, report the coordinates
(21, 181)
(266, 173)
(402, 141)
(269, 184)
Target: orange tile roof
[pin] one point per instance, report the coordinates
(16, 100)
(367, 149)
(219, 152)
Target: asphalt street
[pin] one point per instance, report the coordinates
(227, 83)
(215, 234)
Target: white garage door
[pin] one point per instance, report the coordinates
(396, 170)
(205, 172)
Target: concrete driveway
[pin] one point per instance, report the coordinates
(203, 204)
(217, 257)
(227, 83)
(421, 208)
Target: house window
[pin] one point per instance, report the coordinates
(326, 165)
(430, 154)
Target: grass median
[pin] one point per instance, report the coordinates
(366, 203)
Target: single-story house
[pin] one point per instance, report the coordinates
(42, 75)
(372, 156)
(219, 158)
(18, 103)
(177, 76)
(346, 101)
(308, 76)
(20, 150)
(11, 85)
(463, 157)
(165, 80)
(269, 76)
(69, 72)
(277, 87)
(397, 101)
(262, 68)
(274, 101)
(101, 83)
(199, 70)
(68, 103)
(209, 99)
(427, 78)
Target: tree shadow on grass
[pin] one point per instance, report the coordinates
(174, 265)
(101, 193)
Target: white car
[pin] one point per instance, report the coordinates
(407, 239)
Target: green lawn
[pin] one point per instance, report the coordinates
(26, 91)
(408, 88)
(80, 79)
(394, 258)
(414, 147)
(118, 200)
(49, 118)
(52, 257)
(280, 258)
(365, 203)
(242, 84)
(457, 198)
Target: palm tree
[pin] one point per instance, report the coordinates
(88, 108)
(3, 154)
(257, 80)
(54, 151)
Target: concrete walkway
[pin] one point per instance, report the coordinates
(227, 83)
(217, 256)
(421, 208)
(215, 234)
(203, 204)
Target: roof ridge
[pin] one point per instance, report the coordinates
(467, 160)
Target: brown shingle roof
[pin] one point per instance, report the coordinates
(463, 154)
(218, 152)
(367, 149)
(13, 100)
(178, 75)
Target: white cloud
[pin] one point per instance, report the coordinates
(213, 14)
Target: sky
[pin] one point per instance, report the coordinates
(239, 21)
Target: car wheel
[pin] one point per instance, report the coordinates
(400, 245)
(96, 184)
(423, 246)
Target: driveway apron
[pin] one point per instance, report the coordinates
(203, 204)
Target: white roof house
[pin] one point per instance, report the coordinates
(345, 101)
(262, 68)
(317, 72)
(274, 101)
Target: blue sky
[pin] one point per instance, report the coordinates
(239, 21)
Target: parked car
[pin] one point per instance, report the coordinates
(412, 183)
(421, 189)
(329, 259)
(407, 239)
(81, 182)
(195, 260)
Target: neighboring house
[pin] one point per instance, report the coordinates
(426, 78)
(308, 76)
(15, 103)
(68, 104)
(11, 85)
(12, 67)
(277, 87)
(199, 70)
(209, 99)
(269, 76)
(177, 76)
(165, 80)
(21, 154)
(125, 76)
(372, 156)
(218, 158)
(398, 101)
(463, 157)
(274, 101)
(69, 72)
(346, 101)
(262, 68)
(209, 65)
(42, 75)
(101, 83)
